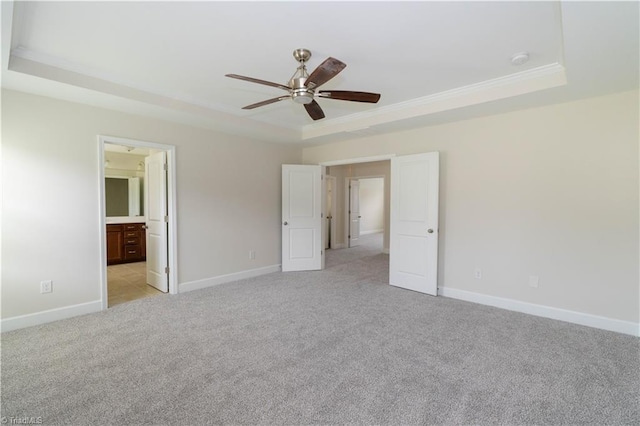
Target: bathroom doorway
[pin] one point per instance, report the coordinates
(138, 220)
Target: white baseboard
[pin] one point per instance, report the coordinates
(222, 279)
(51, 315)
(595, 321)
(385, 250)
(375, 231)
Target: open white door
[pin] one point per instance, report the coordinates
(155, 185)
(302, 218)
(354, 213)
(413, 256)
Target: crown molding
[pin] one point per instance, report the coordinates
(36, 64)
(62, 64)
(56, 69)
(540, 78)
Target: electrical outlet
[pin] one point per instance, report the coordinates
(533, 281)
(252, 254)
(46, 286)
(478, 274)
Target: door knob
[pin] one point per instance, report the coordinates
(430, 231)
(286, 223)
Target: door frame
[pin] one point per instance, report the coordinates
(171, 210)
(334, 201)
(347, 191)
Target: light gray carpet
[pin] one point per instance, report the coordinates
(333, 347)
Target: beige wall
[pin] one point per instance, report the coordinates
(228, 198)
(551, 192)
(371, 205)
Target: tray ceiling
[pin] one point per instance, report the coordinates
(427, 59)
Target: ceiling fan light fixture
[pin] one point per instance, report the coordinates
(302, 97)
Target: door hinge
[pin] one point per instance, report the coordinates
(166, 219)
(321, 252)
(321, 215)
(164, 167)
(166, 269)
(321, 177)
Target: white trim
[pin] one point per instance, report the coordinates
(374, 231)
(222, 279)
(358, 160)
(347, 209)
(75, 69)
(171, 203)
(29, 320)
(172, 211)
(228, 120)
(595, 321)
(528, 81)
(125, 219)
(385, 250)
(337, 246)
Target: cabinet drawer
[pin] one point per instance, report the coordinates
(132, 226)
(131, 252)
(132, 241)
(131, 234)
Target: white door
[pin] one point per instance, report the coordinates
(302, 206)
(354, 213)
(413, 256)
(155, 184)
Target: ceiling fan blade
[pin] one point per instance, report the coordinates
(347, 95)
(325, 72)
(267, 102)
(314, 110)
(255, 80)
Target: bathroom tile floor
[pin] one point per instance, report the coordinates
(127, 282)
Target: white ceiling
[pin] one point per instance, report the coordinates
(431, 61)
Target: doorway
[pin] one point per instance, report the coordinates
(360, 209)
(367, 185)
(135, 256)
(411, 219)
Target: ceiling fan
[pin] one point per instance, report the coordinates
(302, 86)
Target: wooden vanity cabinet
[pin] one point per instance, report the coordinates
(126, 243)
(114, 244)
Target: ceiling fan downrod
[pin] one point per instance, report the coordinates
(300, 94)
